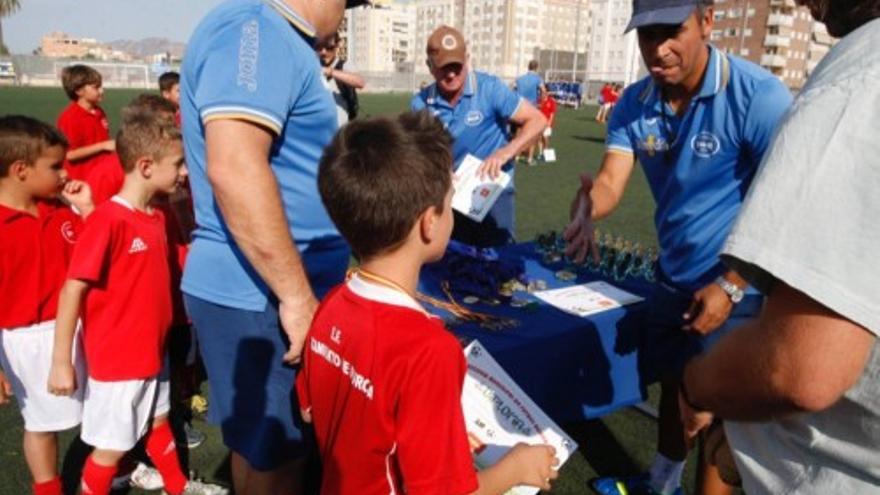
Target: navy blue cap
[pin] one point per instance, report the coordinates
(668, 12)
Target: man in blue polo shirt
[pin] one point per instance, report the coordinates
(529, 86)
(699, 125)
(476, 109)
(255, 120)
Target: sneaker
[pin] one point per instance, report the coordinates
(146, 478)
(194, 487)
(121, 482)
(194, 437)
(630, 485)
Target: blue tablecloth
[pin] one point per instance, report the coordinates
(574, 368)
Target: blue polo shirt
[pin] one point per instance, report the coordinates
(253, 61)
(527, 86)
(699, 166)
(479, 125)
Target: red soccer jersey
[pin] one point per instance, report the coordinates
(105, 177)
(548, 107)
(383, 381)
(34, 253)
(123, 254)
(82, 128)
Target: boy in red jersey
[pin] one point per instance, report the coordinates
(547, 105)
(83, 121)
(381, 378)
(37, 234)
(119, 282)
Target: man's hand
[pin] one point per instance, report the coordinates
(579, 235)
(295, 320)
(694, 421)
(491, 166)
(62, 379)
(5, 389)
(79, 194)
(709, 310)
(534, 464)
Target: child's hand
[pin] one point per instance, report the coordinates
(79, 194)
(5, 389)
(535, 464)
(109, 145)
(306, 415)
(62, 379)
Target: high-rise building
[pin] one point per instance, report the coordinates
(380, 38)
(614, 56)
(565, 36)
(776, 34)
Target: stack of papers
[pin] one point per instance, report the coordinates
(473, 196)
(587, 299)
(499, 415)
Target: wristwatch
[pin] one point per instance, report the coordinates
(733, 291)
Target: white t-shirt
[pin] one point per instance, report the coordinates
(333, 88)
(812, 220)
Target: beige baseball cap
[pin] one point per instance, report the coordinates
(446, 46)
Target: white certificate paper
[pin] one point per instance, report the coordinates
(473, 196)
(587, 299)
(498, 415)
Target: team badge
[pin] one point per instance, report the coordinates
(474, 117)
(705, 144)
(67, 232)
(652, 144)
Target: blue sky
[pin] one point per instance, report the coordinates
(105, 20)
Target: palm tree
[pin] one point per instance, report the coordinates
(7, 7)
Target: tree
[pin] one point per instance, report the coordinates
(7, 7)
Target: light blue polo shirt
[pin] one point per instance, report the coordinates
(479, 125)
(252, 60)
(699, 166)
(527, 86)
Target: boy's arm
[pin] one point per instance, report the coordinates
(531, 465)
(62, 377)
(78, 194)
(91, 150)
(5, 388)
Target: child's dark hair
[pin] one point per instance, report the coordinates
(151, 105)
(144, 135)
(25, 138)
(378, 175)
(74, 77)
(167, 80)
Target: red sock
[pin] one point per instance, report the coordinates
(96, 479)
(163, 452)
(51, 487)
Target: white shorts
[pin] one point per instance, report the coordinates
(26, 357)
(548, 131)
(117, 414)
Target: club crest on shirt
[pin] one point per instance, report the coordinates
(652, 144)
(705, 144)
(67, 232)
(474, 117)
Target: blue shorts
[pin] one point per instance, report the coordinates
(251, 389)
(666, 348)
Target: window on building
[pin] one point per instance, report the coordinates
(717, 34)
(719, 15)
(744, 52)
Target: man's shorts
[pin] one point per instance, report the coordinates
(251, 389)
(666, 347)
(26, 358)
(117, 414)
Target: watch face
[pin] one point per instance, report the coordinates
(736, 296)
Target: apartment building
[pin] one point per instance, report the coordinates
(776, 34)
(381, 38)
(614, 56)
(565, 36)
(61, 45)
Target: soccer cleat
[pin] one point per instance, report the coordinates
(194, 487)
(194, 437)
(146, 478)
(630, 485)
(198, 404)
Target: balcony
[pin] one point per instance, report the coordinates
(780, 20)
(777, 40)
(773, 60)
(783, 3)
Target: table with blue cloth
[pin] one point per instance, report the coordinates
(574, 368)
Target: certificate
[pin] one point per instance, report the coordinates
(587, 299)
(473, 196)
(498, 415)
